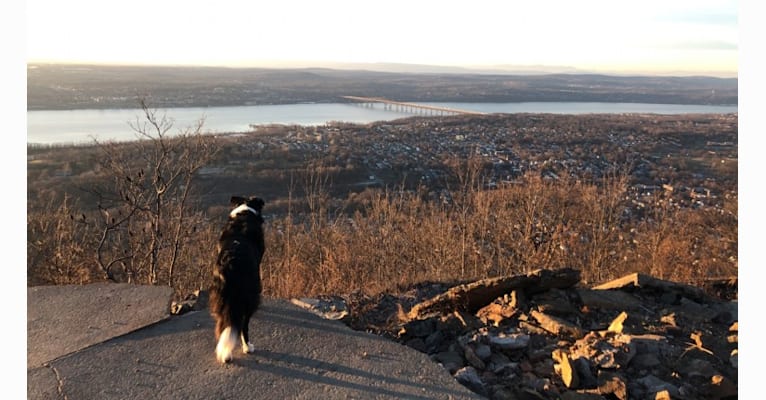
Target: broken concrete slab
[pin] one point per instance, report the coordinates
(473, 296)
(557, 326)
(565, 369)
(616, 325)
(555, 302)
(610, 383)
(639, 280)
(608, 299)
(196, 301)
(327, 307)
(496, 312)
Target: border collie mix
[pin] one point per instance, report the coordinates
(235, 293)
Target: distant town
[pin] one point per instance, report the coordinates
(692, 157)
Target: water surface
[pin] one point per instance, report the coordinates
(82, 126)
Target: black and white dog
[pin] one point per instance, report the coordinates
(235, 293)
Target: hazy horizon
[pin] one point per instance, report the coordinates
(411, 68)
(680, 38)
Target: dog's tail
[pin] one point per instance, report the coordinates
(226, 344)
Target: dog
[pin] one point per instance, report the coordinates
(235, 292)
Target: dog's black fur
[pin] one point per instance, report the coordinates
(235, 293)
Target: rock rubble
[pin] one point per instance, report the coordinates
(544, 335)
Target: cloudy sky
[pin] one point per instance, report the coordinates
(652, 36)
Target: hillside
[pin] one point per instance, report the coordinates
(99, 87)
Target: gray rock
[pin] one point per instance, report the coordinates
(473, 359)
(723, 317)
(555, 302)
(583, 368)
(722, 387)
(500, 392)
(572, 395)
(500, 364)
(328, 307)
(612, 355)
(608, 300)
(695, 311)
(556, 326)
(645, 361)
(626, 353)
(483, 351)
(612, 383)
(196, 301)
(450, 360)
(418, 328)
(417, 344)
(434, 341)
(654, 385)
(697, 367)
(648, 343)
(513, 341)
(469, 377)
(669, 298)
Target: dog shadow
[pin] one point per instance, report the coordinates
(292, 366)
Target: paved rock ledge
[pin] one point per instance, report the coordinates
(64, 319)
(142, 352)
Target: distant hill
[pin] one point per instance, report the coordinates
(51, 86)
(440, 69)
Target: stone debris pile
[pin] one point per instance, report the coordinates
(327, 307)
(544, 336)
(196, 301)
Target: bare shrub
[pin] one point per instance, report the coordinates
(55, 247)
(145, 228)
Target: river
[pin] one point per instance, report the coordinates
(81, 126)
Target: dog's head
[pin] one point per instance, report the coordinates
(242, 204)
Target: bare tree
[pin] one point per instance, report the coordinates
(145, 205)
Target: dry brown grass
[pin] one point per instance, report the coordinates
(396, 238)
(399, 239)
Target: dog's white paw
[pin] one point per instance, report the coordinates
(223, 357)
(223, 352)
(248, 348)
(226, 344)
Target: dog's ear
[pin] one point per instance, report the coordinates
(237, 200)
(256, 203)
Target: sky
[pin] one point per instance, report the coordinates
(649, 37)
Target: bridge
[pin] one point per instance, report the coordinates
(411, 107)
